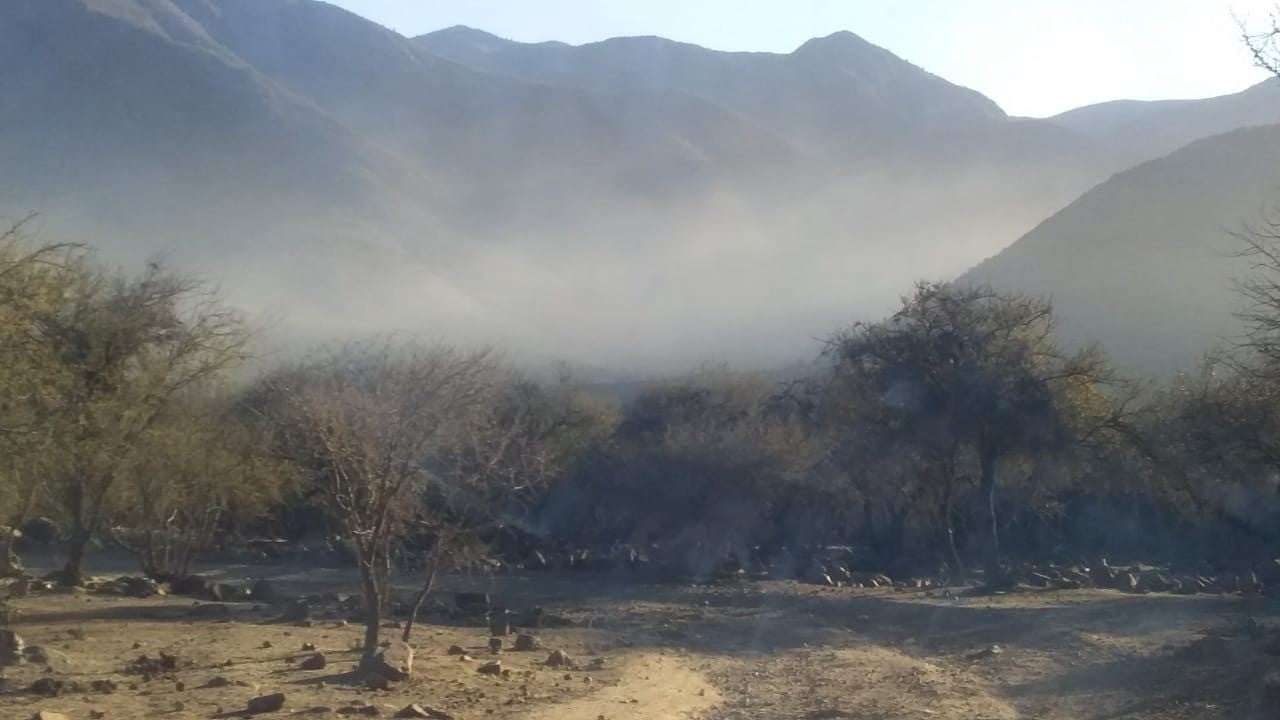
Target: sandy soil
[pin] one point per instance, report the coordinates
(767, 650)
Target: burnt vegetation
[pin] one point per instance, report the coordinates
(955, 443)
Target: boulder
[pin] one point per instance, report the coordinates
(490, 668)
(265, 704)
(314, 661)
(559, 659)
(527, 643)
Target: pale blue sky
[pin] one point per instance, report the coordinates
(1034, 57)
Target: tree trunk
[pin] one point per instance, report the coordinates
(72, 573)
(988, 458)
(373, 600)
(422, 596)
(948, 522)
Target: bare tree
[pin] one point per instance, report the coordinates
(368, 425)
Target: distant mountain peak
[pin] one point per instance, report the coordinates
(840, 43)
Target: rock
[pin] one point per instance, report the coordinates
(315, 661)
(456, 650)
(53, 659)
(295, 612)
(226, 592)
(1039, 580)
(395, 662)
(48, 715)
(209, 611)
(308, 647)
(365, 710)
(495, 645)
(559, 658)
(41, 530)
(12, 647)
(217, 682)
(1128, 582)
(47, 687)
(103, 687)
(527, 643)
(499, 623)
(986, 652)
(134, 587)
(265, 591)
(191, 585)
(490, 668)
(265, 704)
(421, 711)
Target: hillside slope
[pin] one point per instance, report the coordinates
(1144, 262)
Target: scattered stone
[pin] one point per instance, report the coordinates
(296, 612)
(986, 652)
(1128, 582)
(265, 704)
(48, 687)
(190, 585)
(315, 661)
(527, 643)
(12, 648)
(490, 668)
(500, 623)
(148, 666)
(209, 610)
(422, 711)
(456, 650)
(559, 658)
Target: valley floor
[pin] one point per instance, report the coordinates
(760, 650)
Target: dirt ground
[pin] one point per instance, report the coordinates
(759, 650)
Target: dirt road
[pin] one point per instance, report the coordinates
(760, 651)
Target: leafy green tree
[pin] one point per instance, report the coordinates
(124, 348)
(33, 279)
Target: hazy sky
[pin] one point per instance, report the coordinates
(1034, 57)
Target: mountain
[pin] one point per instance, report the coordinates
(635, 203)
(1145, 262)
(1142, 131)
